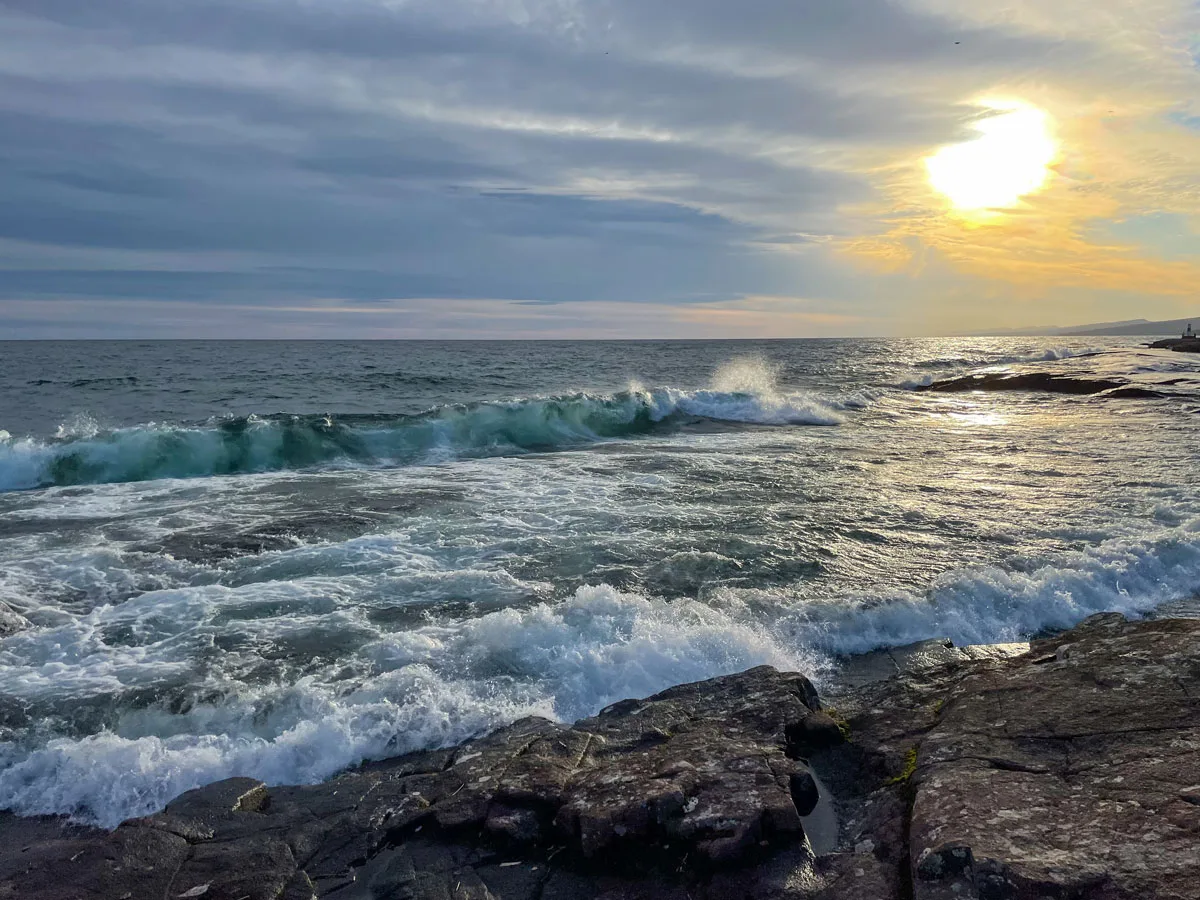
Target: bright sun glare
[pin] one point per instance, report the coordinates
(1009, 159)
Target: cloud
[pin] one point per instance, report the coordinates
(274, 157)
(426, 318)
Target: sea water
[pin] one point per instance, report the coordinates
(281, 559)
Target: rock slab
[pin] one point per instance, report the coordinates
(1069, 772)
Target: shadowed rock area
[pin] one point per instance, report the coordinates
(1068, 770)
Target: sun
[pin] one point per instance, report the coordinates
(1010, 159)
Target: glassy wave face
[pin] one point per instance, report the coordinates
(240, 445)
(279, 560)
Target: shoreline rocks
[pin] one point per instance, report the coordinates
(1179, 345)
(1070, 768)
(1044, 382)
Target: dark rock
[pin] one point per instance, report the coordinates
(520, 826)
(1179, 345)
(1030, 381)
(10, 621)
(733, 792)
(855, 876)
(199, 814)
(427, 762)
(343, 847)
(58, 862)
(300, 887)
(945, 861)
(804, 791)
(255, 868)
(1045, 382)
(1060, 773)
(1135, 393)
(814, 732)
(424, 870)
(913, 661)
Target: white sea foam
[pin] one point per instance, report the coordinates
(755, 375)
(1052, 354)
(918, 381)
(1056, 353)
(433, 686)
(992, 605)
(755, 409)
(442, 682)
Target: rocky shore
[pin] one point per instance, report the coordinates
(1179, 345)
(1065, 769)
(1045, 382)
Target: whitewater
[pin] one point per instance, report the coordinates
(282, 559)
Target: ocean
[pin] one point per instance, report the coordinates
(279, 559)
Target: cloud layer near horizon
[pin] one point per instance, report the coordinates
(580, 167)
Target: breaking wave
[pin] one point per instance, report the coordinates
(971, 362)
(993, 604)
(243, 445)
(951, 365)
(435, 686)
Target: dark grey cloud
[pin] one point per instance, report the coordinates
(871, 32)
(540, 150)
(600, 72)
(367, 222)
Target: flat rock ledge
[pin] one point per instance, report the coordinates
(1047, 382)
(1069, 768)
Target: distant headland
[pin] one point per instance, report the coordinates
(1128, 328)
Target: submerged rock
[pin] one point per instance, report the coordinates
(10, 621)
(1068, 769)
(1039, 381)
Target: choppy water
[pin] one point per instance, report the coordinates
(279, 559)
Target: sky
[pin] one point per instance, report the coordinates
(594, 168)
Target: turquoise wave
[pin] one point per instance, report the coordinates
(243, 445)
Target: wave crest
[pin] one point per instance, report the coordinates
(1053, 354)
(252, 444)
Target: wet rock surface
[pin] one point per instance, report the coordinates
(1041, 381)
(1067, 769)
(11, 621)
(1179, 345)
